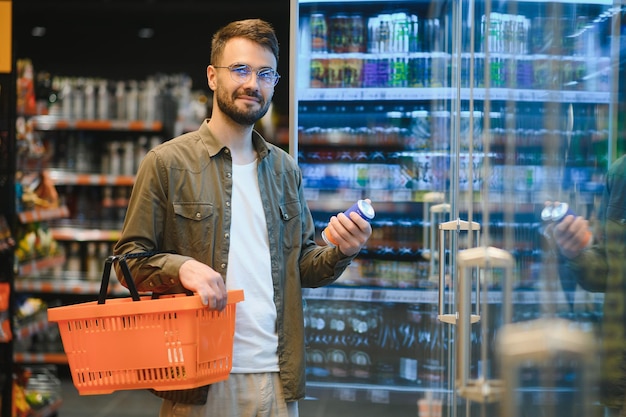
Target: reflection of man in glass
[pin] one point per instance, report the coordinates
(599, 265)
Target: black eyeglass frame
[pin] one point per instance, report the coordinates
(241, 73)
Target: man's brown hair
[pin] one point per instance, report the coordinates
(255, 30)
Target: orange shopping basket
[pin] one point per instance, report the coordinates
(167, 343)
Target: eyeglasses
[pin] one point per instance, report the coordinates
(241, 73)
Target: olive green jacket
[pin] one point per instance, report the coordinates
(181, 203)
(602, 268)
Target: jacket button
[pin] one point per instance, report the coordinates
(285, 216)
(223, 266)
(198, 215)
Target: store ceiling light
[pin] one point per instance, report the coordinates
(38, 31)
(145, 33)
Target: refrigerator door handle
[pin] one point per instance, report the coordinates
(453, 226)
(481, 261)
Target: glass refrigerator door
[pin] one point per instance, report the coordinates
(373, 110)
(459, 120)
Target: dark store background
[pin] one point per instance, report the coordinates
(100, 38)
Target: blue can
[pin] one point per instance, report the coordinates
(560, 210)
(556, 212)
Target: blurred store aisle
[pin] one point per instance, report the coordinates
(140, 403)
(137, 403)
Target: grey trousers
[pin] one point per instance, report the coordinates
(241, 395)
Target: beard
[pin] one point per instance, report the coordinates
(245, 117)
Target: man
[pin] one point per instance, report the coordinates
(600, 266)
(231, 207)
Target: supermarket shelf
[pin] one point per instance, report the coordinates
(38, 265)
(368, 393)
(37, 323)
(57, 123)
(58, 358)
(397, 295)
(72, 178)
(42, 214)
(60, 286)
(442, 93)
(85, 235)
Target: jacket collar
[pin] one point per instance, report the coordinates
(214, 145)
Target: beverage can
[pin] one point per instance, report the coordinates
(362, 208)
(352, 74)
(546, 214)
(414, 72)
(370, 73)
(556, 212)
(319, 73)
(400, 26)
(339, 33)
(383, 72)
(335, 72)
(356, 34)
(560, 210)
(319, 32)
(399, 72)
(414, 38)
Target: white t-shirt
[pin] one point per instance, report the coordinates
(249, 268)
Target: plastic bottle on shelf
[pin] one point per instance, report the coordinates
(411, 349)
(90, 100)
(82, 155)
(120, 100)
(413, 33)
(132, 101)
(150, 97)
(66, 99)
(54, 98)
(128, 160)
(141, 149)
(373, 23)
(384, 34)
(104, 101)
(114, 158)
(435, 341)
(387, 355)
(78, 99)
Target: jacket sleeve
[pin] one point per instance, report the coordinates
(144, 228)
(589, 269)
(319, 265)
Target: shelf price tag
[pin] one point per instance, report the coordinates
(5, 36)
(347, 394)
(379, 396)
(401, 195)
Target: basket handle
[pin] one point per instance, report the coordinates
(121, 259)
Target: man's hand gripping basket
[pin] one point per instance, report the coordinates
(166, 343)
